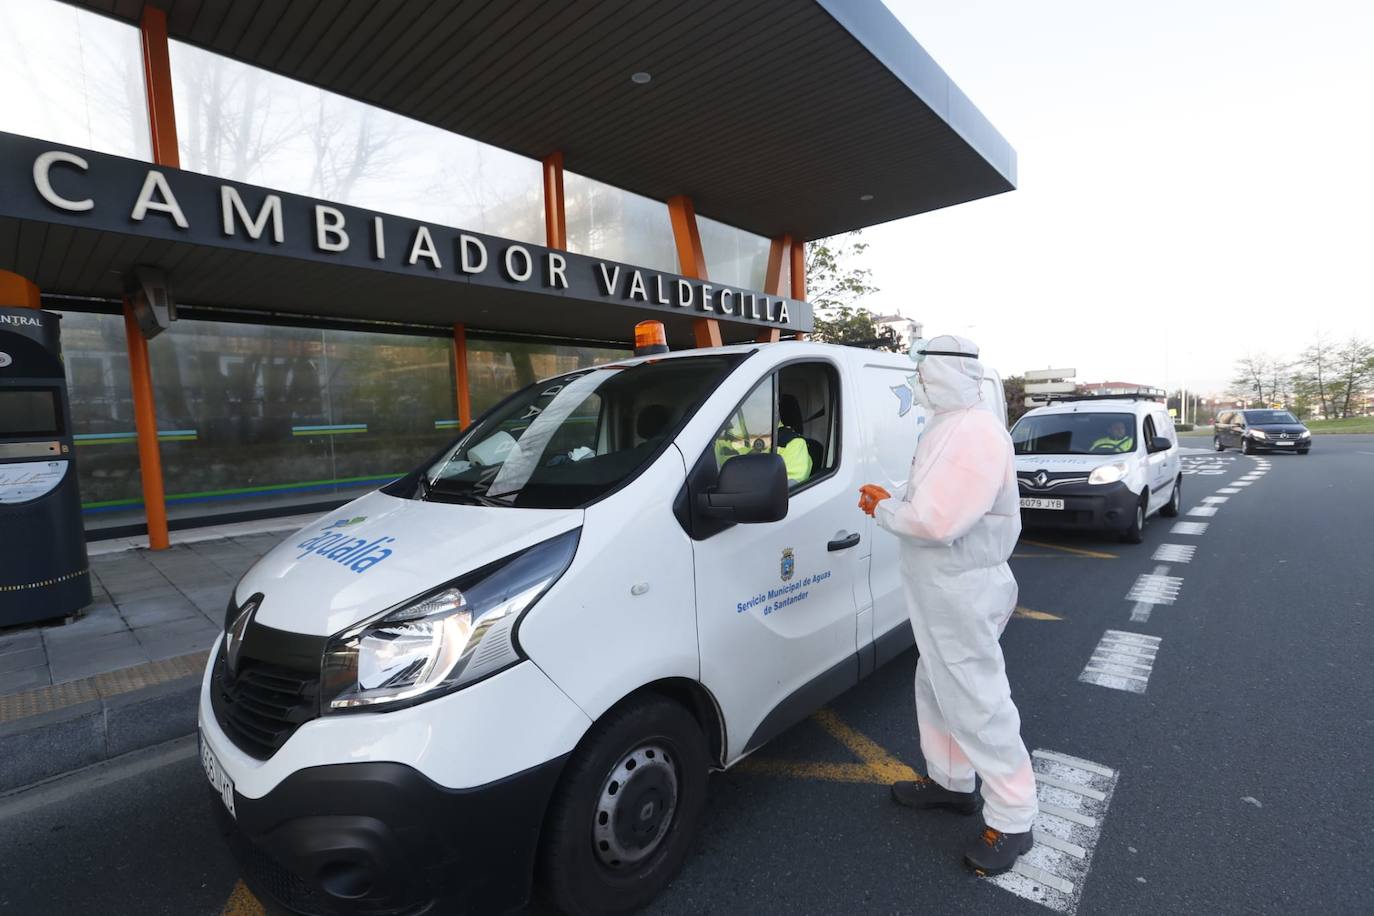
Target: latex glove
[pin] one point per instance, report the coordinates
(870, 494)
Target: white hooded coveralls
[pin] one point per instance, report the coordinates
(959, 520)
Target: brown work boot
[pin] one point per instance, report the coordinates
(923, 793)
(993, 852)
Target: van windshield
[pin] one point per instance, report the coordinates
(568, 441)
(1074, 434)
(1261, 417)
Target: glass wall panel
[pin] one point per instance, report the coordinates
(238, 121)
(733, 256)
(72, 76)
(496, 369)
(607, 222)
(260, 417)
(254, 417)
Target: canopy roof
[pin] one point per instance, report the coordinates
(776, 116)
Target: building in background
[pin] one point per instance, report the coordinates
(377, 220)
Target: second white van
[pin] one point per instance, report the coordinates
(515, 666)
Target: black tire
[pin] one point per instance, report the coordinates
(1136, 533)
(577, 867)
(1171, 508)
(1216, 443)
(1246, 448)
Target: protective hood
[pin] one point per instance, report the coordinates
(380, 550)
(951, 382)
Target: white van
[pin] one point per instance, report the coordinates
(1105, 463)
(520, 661)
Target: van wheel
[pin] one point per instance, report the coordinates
(1136, 533)
(1246, 448)
(1216, 444)
(626, 811)
(1171, 508)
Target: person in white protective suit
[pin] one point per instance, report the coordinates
(958, 522)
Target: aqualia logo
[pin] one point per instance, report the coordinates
(357, 554)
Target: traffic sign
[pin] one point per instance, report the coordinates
(1050, 375)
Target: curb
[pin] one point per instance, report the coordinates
(48, 744)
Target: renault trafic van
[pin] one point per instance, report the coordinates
(1097, 462)
(515, 666)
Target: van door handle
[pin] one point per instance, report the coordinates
(843, 542)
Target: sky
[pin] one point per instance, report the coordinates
(1196, 182)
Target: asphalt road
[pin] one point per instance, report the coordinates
(1242, 772)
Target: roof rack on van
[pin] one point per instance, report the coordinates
(1146, 394)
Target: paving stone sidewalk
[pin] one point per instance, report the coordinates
(149, 605)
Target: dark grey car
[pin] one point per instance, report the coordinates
(1261, 431)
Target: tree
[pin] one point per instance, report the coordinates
(834, 284)
(1260, 379)
(1014, 390)
(1353, 373)
(1312, 381)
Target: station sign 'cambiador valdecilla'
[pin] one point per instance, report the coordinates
(55, 184)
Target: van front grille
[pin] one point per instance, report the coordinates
(262, 705)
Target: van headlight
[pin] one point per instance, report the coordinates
(1109, 473)
(444, 639)
(1305, 434)
(1258, 433)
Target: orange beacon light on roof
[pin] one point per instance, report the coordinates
(650, 338)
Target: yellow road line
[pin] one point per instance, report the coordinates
(241, 902)
(1028, 614)
(1095, 554)
(878, 767)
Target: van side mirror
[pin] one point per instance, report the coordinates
(1160, 444)
(750, 488)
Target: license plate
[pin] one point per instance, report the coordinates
(219, 780)
(1285, 443)
(1034, 502)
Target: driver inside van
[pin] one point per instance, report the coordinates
(1116, 440)
(790, 445)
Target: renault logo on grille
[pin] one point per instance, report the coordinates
(233, 638)
(1041, 479)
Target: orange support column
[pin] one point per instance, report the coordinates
(460, 372)
(779, 249)
(687, 238)
(555, 214)
(18, 292)
(162, 132)
(799, 275)
(145, 424)
(157, 82)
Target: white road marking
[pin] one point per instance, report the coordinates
(1121, 661)
(1216, 500)
(1074, 797)
(1242, 483)
(1156, 587)
(1189, 528)
(1228, 490)
(1175, 553)
(1077, 763)
(1204, 511)
(1066, 814)
(1052, 841)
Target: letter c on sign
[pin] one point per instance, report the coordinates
(41, 179)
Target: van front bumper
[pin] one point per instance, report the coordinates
(1088, 507)
(381, 839)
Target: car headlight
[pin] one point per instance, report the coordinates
(1305, 434)
(444, 639)
(1109, 473)
(1258, 433)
